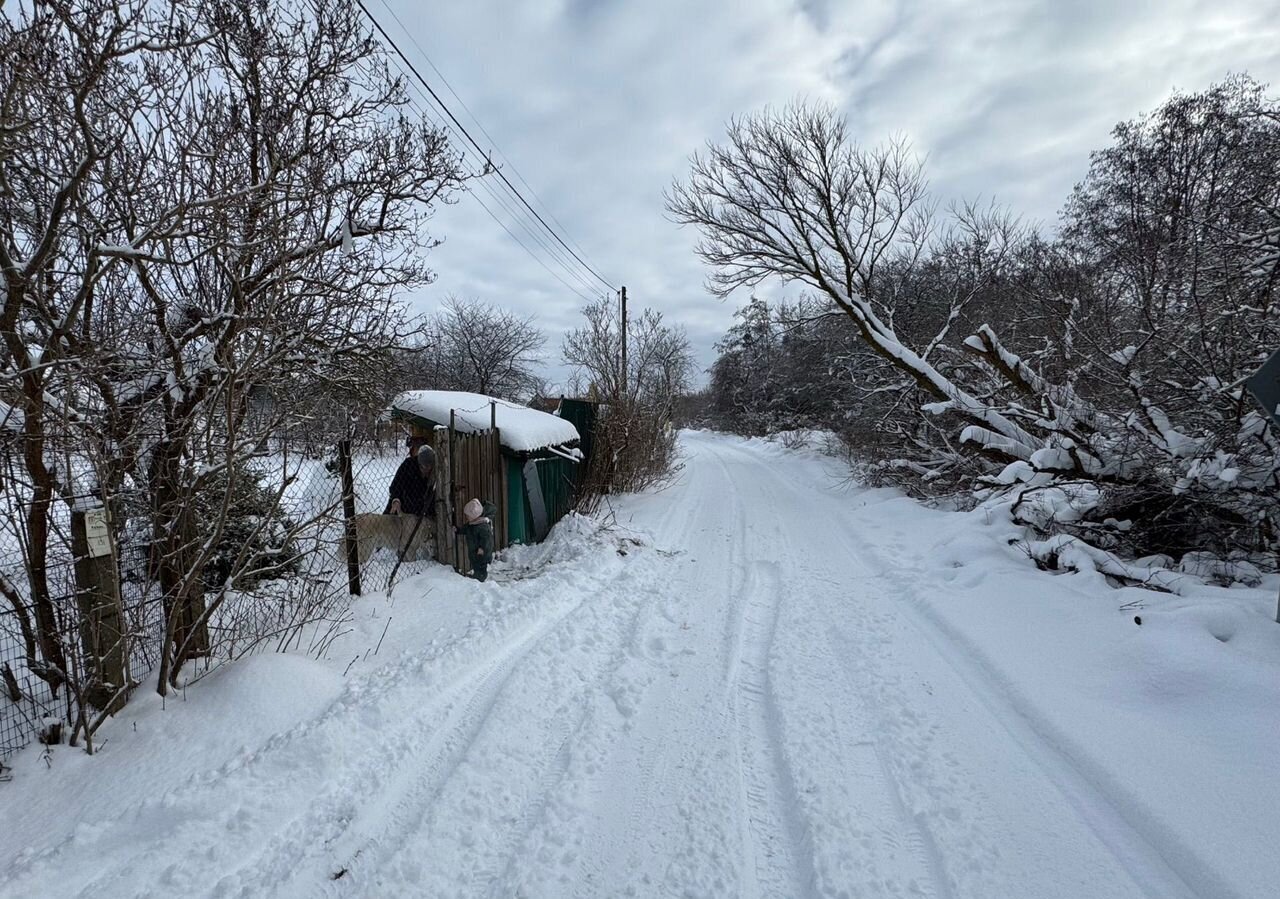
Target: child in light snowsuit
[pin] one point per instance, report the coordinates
(479, 533)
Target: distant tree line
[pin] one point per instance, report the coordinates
(1097, 374)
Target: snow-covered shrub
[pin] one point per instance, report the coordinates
(251, 533)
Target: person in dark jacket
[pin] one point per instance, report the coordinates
(479, 533)
(413, 489)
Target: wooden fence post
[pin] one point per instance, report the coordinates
(459, 558)
(444, 456)
(497, 483)
(102, 631)
(444, 501)
(349, 517)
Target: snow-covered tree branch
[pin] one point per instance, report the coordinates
(1114, 354)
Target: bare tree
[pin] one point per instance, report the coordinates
(634, 439)
(477, 347)
(203, 231)
(74, 92)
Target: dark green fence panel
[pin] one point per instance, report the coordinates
(519, 524)
(558, 479)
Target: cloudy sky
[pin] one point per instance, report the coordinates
(598, 104)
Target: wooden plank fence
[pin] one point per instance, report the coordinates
(468, 466)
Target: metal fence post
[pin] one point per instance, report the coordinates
(349, 516)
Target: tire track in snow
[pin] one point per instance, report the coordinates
(422, 778)
(897, 578)
(412, 813)
(1159, 869)
(355, 807)
(880, 848)
(733, 638)
(268, 779)
(554, 770)
(587, 733)
(878, 797)
(778, 856)
(662, 795)
(507, 791)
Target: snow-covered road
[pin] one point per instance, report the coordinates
(758, 702)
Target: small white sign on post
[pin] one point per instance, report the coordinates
(97, 534)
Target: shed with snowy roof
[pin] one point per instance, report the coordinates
(531, 479)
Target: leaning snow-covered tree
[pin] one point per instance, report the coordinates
(1113, 359)
(792, 197)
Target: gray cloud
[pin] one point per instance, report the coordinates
(599, 105)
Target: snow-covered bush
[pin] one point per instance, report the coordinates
(249, 533)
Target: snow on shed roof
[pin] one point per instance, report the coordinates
(520, 428)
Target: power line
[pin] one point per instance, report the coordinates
(575, 290)
(557, 256)
(493, 190)
(463, 103)
(443, 106)
(497, 196)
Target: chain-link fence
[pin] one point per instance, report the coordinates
(275, 577)
(373, 466)
(29, 701)
(51, 642)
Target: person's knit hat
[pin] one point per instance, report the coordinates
(427, 457)
(472, 511)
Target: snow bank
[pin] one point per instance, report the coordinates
(276, 772)
(1158, 709)
(521, 429)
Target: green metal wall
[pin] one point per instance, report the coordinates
(556, 477)
(519, 521)
(583, 416)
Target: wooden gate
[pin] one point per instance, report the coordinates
(469, 466)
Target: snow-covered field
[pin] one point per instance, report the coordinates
(754, 683)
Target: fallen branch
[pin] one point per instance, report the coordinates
(1063, 551)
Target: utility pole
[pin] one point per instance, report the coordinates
(624, 343)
